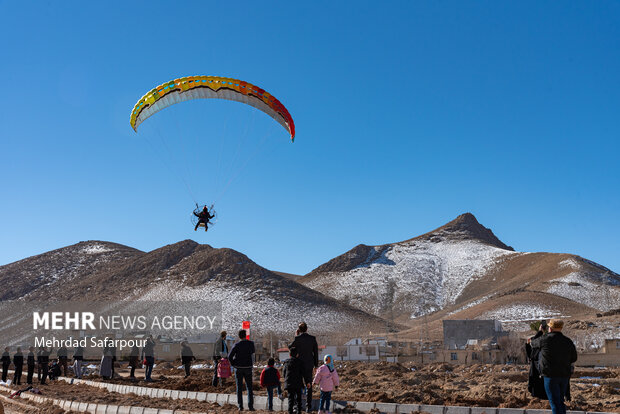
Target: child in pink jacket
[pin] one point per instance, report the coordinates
(327, 379)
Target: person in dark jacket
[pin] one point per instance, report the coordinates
(18, 362)
(148, 353)
(535, 383)
(54, 370)
(62, 359)
(44, 360)
(203, 217)
(134, 357)
(6, 361)
(187, 356)
(557, 353)
(270, 379)
(308, 350)
(293, 372)
(30, 363)
(78, 357)
(220, 349)
(113, 353)
(241, 357)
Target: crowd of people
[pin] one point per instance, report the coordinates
(297, 372)
(46, 368)
(551, 356)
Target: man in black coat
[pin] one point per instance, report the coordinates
(308, 350)
(241, 357)
(6, 361)
(18, 362)
(78, 357)
(44, 360)
(30, 362)
(293, 372)
(557, 353)
(62, 359)
(187, 356)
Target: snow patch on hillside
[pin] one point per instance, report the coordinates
(426, 276)
(579, 288)
(517, 316)
(95, 249)
(265, 312)
(470, 304)
(570, 263)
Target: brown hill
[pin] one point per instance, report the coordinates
(101, 271)
(462, 270)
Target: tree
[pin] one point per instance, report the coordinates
(342, 351)
(513, 347)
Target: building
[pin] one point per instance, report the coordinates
(609, 355)
(457, 334)
(357, 352)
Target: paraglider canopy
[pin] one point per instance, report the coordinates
(210, 87)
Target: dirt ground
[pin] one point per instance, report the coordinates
(437, 384)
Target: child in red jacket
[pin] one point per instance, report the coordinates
(270, 378)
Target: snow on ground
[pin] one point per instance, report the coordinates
(265, 312)
(578, 287)
(428, 276)
(470, 304)
(95, 249)
(517, 316)
(570, 263)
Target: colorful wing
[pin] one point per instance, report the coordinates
(205, 87)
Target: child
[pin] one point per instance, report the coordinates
(270, 378)
(293, 379)
(327, 379)
(223, 369)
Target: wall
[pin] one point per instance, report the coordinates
(457, 332)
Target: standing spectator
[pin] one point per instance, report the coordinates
(148, 353)
(557, 353)
(270, 378)
(134, 357)
(535, 382)
(242, 358)
(113, 354)
(187, 356)
(327, 379)
(105, 369)
(44, 360)
(6, 361)
(293, 371)
(78, 357)
(30, 364)
(18, 362)
(308, 350)
(220, 349)
(62, 359)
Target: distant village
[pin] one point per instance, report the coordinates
(465, 342)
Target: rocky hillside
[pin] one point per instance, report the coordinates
(464, 266)
(98, 271)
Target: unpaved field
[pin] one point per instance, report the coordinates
(437, 384)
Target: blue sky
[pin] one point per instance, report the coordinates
(407, 113)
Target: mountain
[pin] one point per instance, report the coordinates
(102, 271)
(463, 270)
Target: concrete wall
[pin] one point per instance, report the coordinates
(598, 360)
(456, 333)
